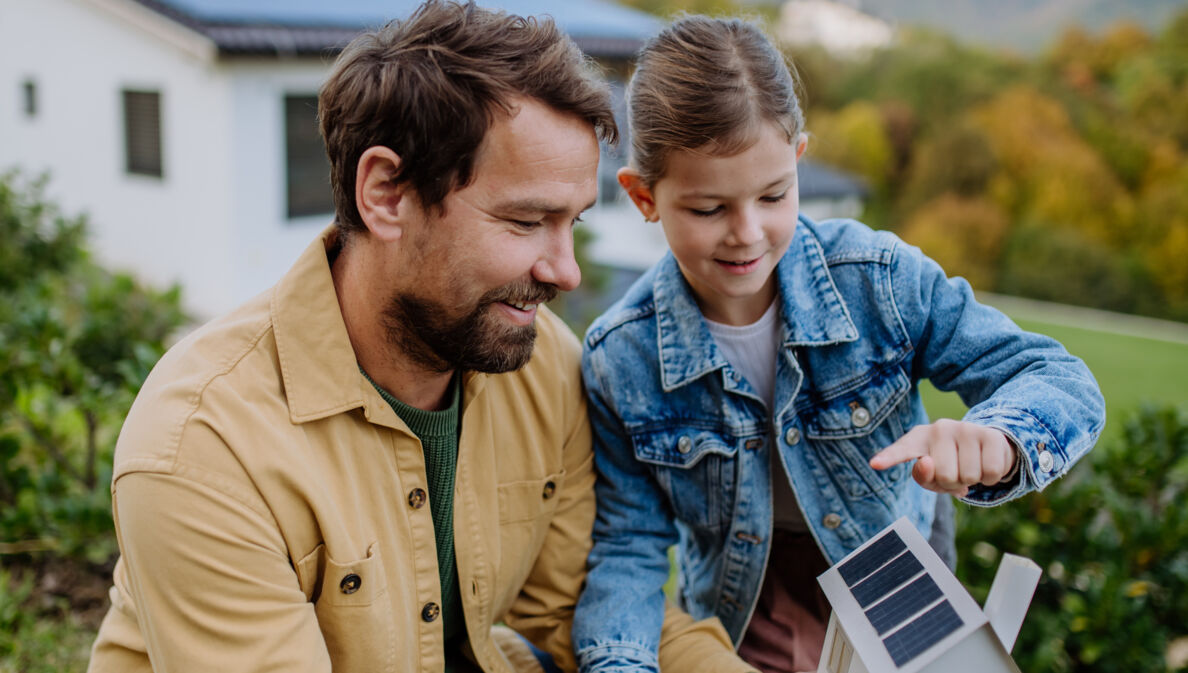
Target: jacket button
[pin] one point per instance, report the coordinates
(417, 498)
(549, 489)
(832, 520)
(792, 436)
(430, 611)
(1046, 462)
(753, 444)
(684, 444)
(350, 584)
(860, 417)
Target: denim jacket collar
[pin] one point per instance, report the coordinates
(811, 308)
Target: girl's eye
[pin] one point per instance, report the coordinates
(773, 199)
(706, 213)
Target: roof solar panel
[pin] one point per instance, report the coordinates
(887, 579)
(902, 604)
(922, 633)
(868, 560)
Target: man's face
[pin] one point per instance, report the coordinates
(481, 264)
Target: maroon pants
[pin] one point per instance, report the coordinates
(787, 630)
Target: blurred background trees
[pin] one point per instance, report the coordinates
(1062, 176)
(76, 343)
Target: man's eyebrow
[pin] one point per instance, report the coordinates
(538, 206)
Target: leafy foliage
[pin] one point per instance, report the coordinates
(1083, 151)
(76, 342)
(1114, 594)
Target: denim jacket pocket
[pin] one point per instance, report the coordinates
(851, 425)
(695, 467)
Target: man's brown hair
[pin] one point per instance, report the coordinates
(427, 88)
(706, 84)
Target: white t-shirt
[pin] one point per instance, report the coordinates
(752, 349)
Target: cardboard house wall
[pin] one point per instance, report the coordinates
(898, 609)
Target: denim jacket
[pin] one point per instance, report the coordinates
(682, 440)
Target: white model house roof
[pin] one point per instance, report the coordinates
(898, 609)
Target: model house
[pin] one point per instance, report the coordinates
(898, 609)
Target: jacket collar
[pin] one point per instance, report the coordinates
(318, 365)
(812, 311)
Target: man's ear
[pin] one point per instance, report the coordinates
(640, 193)
(384, 204)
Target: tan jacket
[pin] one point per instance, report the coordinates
(270, 512)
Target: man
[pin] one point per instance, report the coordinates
(369, 466)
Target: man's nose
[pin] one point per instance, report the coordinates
(557, 265)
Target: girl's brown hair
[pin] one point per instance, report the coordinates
(707, 84)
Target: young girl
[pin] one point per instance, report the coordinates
(754, 395)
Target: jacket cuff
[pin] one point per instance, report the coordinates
(618, 658)
(1041, 459)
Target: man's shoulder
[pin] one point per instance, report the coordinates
(215, 368)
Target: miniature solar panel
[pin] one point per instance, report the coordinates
(887, 579)
(903, 604)
(870, 559)
(927, 629)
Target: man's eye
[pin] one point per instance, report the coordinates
(525, 224)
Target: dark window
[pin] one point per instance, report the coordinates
(29, 88)
(142, 132)
(306, 166)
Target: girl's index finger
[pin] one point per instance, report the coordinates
(907, 447)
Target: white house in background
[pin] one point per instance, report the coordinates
(898, 609)
(836, 26)
(186, 128)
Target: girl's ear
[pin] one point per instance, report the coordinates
(384, 204)
(640, 193)
(801, 145)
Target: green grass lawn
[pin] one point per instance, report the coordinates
(1131, 370)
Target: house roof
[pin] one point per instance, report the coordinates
(822, 182)
(306, 27)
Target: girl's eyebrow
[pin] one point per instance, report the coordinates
(771, 185)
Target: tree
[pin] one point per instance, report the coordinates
(76, 342)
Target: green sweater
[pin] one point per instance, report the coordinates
(438, 432)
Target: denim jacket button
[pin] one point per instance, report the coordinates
(860, 417)
(684, 444)
(1046, 462)
(832, 520)
(792, 436)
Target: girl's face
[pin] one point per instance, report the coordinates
(728, 220)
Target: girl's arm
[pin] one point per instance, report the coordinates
(1026, 386)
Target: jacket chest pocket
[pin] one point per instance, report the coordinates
(849, 427)
(526, 510)
(696, 469)
(353, 607)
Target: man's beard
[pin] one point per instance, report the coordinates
(427, 331)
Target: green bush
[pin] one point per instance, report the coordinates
(76, 342)
(1111, 540)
